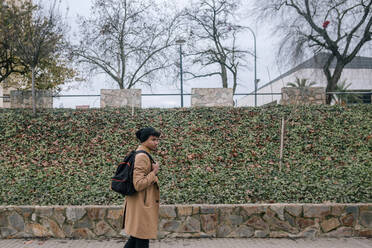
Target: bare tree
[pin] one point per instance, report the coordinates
(340, 28)
(127, 40)
(38, 38)
(214, 39)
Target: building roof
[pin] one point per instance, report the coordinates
(317, 62)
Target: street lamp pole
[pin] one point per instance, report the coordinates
(255, 67)
(181, 42)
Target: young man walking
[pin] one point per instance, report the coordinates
(141, 210)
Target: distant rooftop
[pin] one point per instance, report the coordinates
(317, 62)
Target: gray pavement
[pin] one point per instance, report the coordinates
(194, 243)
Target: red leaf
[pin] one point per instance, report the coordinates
(325, 24)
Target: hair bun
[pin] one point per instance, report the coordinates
(138, 133)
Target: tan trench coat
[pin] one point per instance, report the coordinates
(141, 210)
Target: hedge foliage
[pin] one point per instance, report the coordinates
(207, 155)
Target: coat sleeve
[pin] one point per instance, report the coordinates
(141, 178)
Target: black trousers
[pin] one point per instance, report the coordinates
(134, 242)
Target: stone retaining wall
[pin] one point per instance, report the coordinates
(212, 97)
(251, 220)
(307, 95)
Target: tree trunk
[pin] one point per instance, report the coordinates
(33, 90)
(333, 80)
(235, 78)
(223, 76)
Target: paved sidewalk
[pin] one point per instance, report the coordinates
(194, 243)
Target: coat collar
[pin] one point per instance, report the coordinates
(141, 147)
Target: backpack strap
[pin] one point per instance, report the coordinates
(151, 159)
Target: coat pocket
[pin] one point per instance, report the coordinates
(145, 198)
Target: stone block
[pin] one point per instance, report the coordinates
(195, 210)
(209, 222)
(43, 211)
(82, 233)
(120, 98)
(294, 210)
(116, 224)
(278, 234)
(23, 99)
(26, 212)
(261, 233)
(7, 232)
(56, 230)
(223, 231)
(84, 223)
(310, 232)
(354, 210)
(163, 234)
(244, 232)
(115, 214)
(211, 97)
(347, 220)
(366, 219)
(229, 210)
(33, 217)
(365, 233)
(366, 207)
(167, 212)
(290, 219)
(75, 213)
(208, 210)
(191, 225)
(184, 210)
(257, 223)
(16, 221)
(304, 223)
(247, 211)
(38, 230)
(59, 215)
(330, 224)
(3, 220)
(169, 225)
(235, 219)
(279, 210)
(67, 230)
(341, 232)
(101, 228)
(96, 213)
(316, 211)
(338, 210)
(278, 225)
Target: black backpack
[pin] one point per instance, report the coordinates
(122, 181)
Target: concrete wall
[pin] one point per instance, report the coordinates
(5, 102)
(360, 79)
(120, 98)
(23, 99)
(211, 97)
(234, 221)
(307, 95)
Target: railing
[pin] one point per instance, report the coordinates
(349, 96)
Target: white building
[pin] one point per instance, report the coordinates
(358, 73)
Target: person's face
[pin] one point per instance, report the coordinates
(152, 143)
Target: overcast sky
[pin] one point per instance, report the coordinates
(267, 68)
